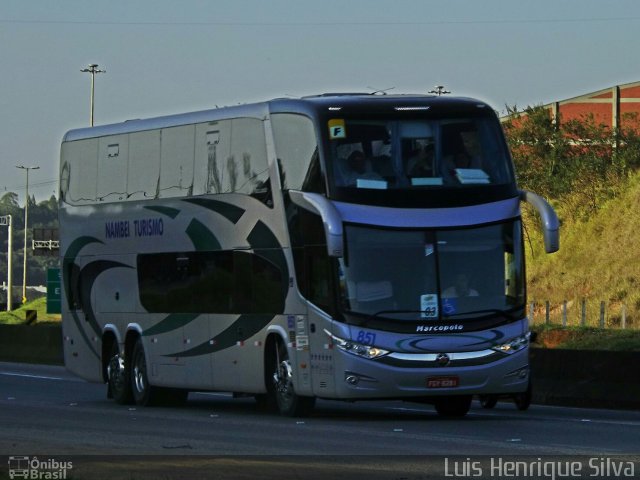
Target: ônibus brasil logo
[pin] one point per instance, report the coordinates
(36, 469)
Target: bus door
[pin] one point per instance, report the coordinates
(321, 295)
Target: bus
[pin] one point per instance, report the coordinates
(338, 246)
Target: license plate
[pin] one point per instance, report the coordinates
(443, 382)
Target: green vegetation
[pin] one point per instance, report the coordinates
(41, 215)
(18, 315)
(591, 175)
(586, 338)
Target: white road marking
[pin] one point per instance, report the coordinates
(39, 377)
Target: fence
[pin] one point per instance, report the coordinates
(584, 313)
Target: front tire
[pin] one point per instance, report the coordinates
(289, 403)
(523, 400)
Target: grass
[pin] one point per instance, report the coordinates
(586, 338)
(599, 259)
(18, 315)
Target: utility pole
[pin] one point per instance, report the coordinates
(6, 220)
(26, 217)
(439, 90)
(92, 69)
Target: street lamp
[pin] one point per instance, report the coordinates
(6, 220)
(92, 69)
(26, 216)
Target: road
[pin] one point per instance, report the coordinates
(46, 411)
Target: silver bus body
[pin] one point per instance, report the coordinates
(178, 234)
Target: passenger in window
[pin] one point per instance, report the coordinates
(358, 168)
(420, 162)
(455, 157)
(454, 151)
(460, 288)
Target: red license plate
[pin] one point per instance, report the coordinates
(443, 382)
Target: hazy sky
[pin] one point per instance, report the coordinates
(171, 56)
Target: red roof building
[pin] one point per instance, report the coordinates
(609, 106)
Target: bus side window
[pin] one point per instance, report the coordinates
(143, 171)
(80, 170)
(319, 278)
(224, 281)
(176, 161)
(297, 150)
(246, 169)
(113, 160)
(312, 263)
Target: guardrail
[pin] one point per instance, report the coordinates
(584, 313)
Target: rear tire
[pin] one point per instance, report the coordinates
(289, 403)
(455, 406)
(118, 382)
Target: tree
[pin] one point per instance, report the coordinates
(9, 200)
(539, 151)
(581, 162)
(41, 215)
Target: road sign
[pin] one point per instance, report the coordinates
(54, 295)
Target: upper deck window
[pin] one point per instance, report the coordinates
(417, 154)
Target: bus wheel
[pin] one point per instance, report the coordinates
(289, 403)
(143, 393)
(455, 406)
(523, 400)
(118, 384)
(488, 401)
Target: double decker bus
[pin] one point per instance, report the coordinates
(338, 246)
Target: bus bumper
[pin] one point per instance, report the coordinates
(360, 378)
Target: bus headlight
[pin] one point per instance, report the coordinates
(358, 349)
(513, 345)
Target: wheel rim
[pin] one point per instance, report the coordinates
(283, 380)
(139, 373)
(115, 372)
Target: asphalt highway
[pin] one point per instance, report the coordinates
(48, 412)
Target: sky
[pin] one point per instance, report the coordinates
(172, 56)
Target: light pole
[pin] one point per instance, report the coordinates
(26, 217)
(92, 69)
(6, 220)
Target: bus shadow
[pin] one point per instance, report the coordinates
(383, 411)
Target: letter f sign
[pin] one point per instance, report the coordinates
(336, 129)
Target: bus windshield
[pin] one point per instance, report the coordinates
(418, 154)
(432, 275)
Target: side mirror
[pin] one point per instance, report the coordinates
(550, 222)
(321, 205)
